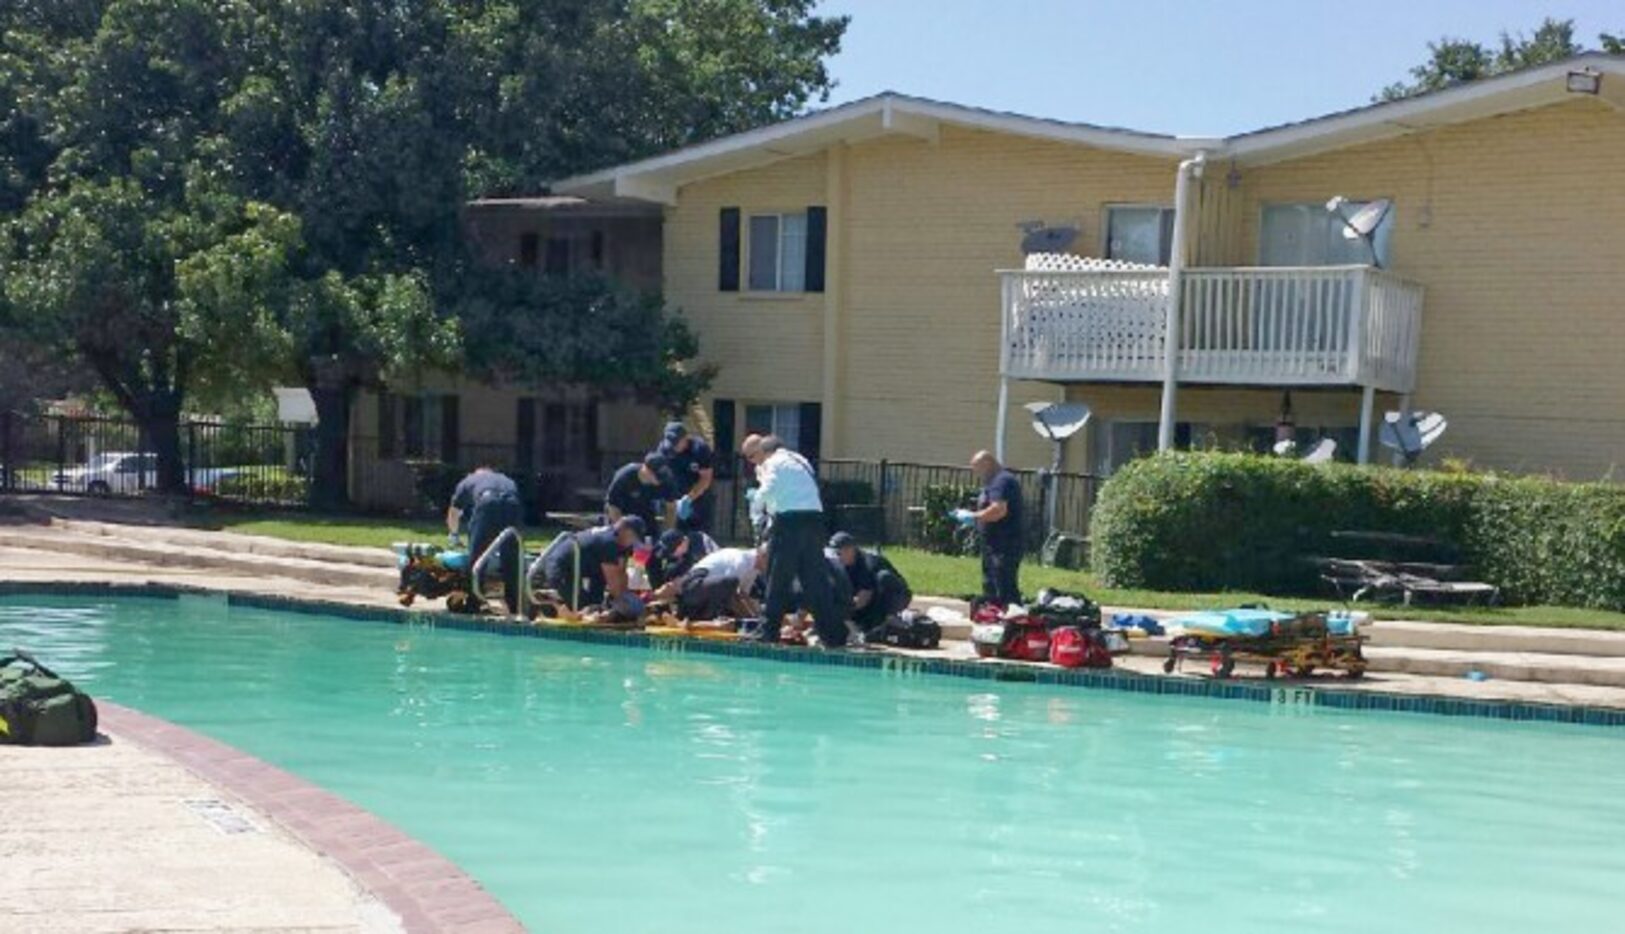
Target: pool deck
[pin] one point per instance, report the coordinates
(158, 828)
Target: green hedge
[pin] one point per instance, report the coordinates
(1244, 522)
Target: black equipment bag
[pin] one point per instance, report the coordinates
(909, 629)
(37, 708)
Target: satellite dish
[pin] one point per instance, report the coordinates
(1362, 224)
(1411, 433)
(1322, 453)
(1058, 421)
(1037, 237)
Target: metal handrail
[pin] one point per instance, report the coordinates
(536, 567)
(477, 572)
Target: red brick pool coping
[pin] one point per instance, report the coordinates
(427, 891)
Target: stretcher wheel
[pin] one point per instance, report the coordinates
(1168, 666)
(1356, 672)
(1271, 670)
(1304, 671)
(1222, 666)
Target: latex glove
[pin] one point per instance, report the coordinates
(752, 493)
(454, 540)
(963, 517)
(685, 507)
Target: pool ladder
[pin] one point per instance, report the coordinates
(525, 578)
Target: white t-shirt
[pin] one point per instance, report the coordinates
(731, 562)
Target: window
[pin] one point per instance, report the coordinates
(1126, 440)
(782, 419)
(1140, 233)
(777, 260)
(557, 262)
(429, 427)
(1310, 235)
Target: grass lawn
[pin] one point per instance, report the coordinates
(358, 531)
(942, 574)
(960, 577)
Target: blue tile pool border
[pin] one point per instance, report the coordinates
(893, 662)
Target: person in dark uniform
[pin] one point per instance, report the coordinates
(878, 590)
(998, 512)
(589, 567)
(638, 489)
(692, 464)
(484, 503)
(675, 552)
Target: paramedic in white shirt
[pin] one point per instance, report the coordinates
(787, 495)
(716, 585)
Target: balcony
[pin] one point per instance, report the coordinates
(1277, 326)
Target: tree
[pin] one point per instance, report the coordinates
(1453, 61)
(202, 195)
(528, 329)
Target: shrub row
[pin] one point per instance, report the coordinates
(1244, 522)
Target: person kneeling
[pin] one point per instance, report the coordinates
(589, 567)
(717, 587)
(878, 589)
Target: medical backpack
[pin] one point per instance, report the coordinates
(37, 708)
(909, 629)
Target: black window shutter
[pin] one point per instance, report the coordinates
(524, 433)
(387, 423)
(812, 430)
(448, 429)
(728, 254)
(412, 426)
(722, 429)
(817, 225)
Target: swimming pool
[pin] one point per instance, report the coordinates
(608, 789)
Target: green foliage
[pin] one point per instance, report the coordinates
(939, 533)
(272, 485)
(1452, 61)
(1236, 521)
(581, 330)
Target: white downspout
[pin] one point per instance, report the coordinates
(1190, 168)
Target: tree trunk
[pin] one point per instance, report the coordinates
(159, 417)
(330, 480)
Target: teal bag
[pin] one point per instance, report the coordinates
(37, 708)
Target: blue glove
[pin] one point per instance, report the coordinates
(454, 540)
(685, 508)
(752, 493)
(963, 517)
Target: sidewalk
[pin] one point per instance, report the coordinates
(112, 837)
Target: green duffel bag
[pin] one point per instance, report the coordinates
(37, 708)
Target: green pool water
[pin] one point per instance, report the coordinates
(603, 789)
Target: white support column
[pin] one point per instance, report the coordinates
(1003, 419)
(1404, 413)
(834, 277)
(1176, 272)
(1368, 399)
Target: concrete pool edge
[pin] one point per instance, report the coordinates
(1446, 702)
(427, 892)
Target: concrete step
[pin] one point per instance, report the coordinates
(1505, 666)
(234, 542)
(164, 554)
(1518, 639)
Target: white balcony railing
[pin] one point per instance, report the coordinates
(1289, 326)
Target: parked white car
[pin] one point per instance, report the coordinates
(126, 473)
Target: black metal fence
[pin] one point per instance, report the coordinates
(880, 502)
(260, 464)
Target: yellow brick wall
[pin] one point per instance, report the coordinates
(769, 345)
(926, 225)
(1512, 224)
(1515, 226)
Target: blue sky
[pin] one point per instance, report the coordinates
(1199, 67)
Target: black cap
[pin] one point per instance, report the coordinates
(655, 461)
(635, 523)
(675, 432)
(842, 540)
(669, 540)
